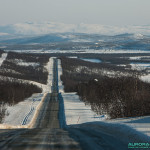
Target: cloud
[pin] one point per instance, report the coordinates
(3, 34)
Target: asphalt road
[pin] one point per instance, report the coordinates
(47, 133)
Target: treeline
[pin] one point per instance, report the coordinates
(78, 71)
(37, 58)
(13, 91)
(36, 73)
(119, 96)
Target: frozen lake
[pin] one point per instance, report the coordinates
(91, 60)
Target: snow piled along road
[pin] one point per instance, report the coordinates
(75, 110)
(21, 114)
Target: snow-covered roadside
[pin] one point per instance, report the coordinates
(46, 88)
(76, 111)
(3, 57)
(145, 78)
(22, 114)
(61, 87)
(78, 115)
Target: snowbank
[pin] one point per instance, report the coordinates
(22, 113)
(25, 119)
(77, 112)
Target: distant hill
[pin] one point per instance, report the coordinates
(32, 28)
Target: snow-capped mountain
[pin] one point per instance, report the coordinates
(30, 28)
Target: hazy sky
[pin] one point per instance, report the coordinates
(106, 12)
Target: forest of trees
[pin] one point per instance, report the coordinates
(35, 73)
(119, 96)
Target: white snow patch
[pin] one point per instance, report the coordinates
(140, 66)
(77, 112)
(3, 57)
(17, 113)
(135, 58)
(20, 62)
(145, 78)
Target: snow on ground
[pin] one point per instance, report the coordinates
(140, 66)
(145, 78)
(102, 135)
(141, 124)
(138, 57)
(3, 57)
(79, 115)
(77, 112)
(93, 51)
(23, 112)
(20, 62)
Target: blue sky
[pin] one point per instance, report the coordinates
(106, 12)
